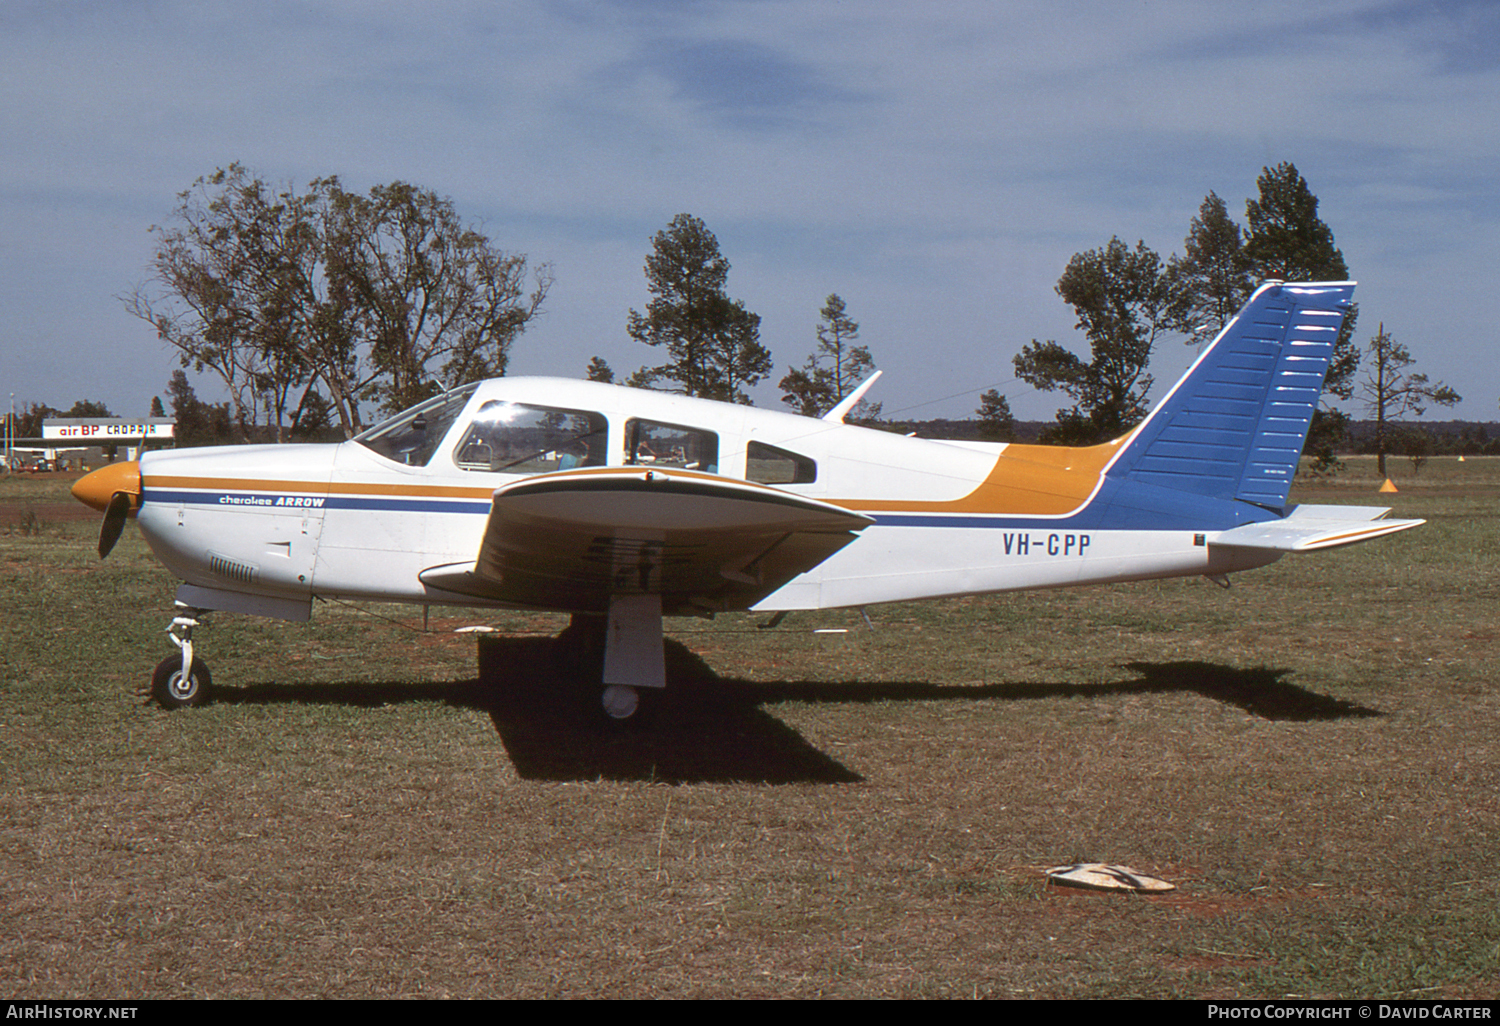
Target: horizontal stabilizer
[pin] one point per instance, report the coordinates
(1311, 528)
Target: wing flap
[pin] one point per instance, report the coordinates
(1313, 528)
(573, 539)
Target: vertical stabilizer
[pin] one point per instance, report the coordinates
(1235, 425)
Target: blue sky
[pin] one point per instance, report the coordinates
(935, 165)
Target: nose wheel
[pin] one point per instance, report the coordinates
(173, 689)
(181, 680)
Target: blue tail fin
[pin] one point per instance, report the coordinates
(1235, 425)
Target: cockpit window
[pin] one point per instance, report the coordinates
(671, 445)
(413, 435)
(514, 438)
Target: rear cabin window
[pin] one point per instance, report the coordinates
(513, 438)
(766, 464)
(649, 443)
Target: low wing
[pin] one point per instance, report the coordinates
(572, 540)
(1311, 528)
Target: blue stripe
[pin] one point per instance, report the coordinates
(360, 502)
(409, 505)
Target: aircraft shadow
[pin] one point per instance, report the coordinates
(705, 729)
(1260, 691)
(708, 729)
(712, 729)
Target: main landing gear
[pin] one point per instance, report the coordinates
(182, 680)
(617, 658)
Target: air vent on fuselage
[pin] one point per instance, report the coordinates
(233, 569)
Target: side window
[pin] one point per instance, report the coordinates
(513, 438)
(671, 445)
(766, 464)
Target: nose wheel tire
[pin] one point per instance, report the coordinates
(172, 690)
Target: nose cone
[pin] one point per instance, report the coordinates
(98, 487)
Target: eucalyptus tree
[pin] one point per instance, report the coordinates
(329, 298)
(1125, 303)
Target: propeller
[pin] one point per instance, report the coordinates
(116, 490)
(114, 522)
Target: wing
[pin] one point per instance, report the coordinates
(572, 540)
(1310, 528)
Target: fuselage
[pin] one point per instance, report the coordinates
(364, 518)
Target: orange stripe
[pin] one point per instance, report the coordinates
(1026, 480)
(253, 484)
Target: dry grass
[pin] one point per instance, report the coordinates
(1312, 756)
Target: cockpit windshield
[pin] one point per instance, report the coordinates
(413, 435)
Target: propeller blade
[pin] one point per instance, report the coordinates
(114, 522)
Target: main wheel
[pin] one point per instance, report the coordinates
(620, 702)
(172, 691)
(620, 707)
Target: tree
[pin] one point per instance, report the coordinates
(438, 304)
(1125, 301)
(1389, 391)
(1286, 240)
(285, 296)
(713, 341)
(598, 370)
(1417, 446)
(996, 423)
(833, 370)
(31, 417)
(197, 422)
(1214, 276)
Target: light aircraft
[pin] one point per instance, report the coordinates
(622, 506)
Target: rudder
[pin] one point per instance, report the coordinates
(1234, 426)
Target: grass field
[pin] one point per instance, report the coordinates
(1312, 756)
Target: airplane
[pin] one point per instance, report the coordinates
(623, 506)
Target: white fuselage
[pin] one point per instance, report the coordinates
(289, 522)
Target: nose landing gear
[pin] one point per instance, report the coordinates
(182, 680)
